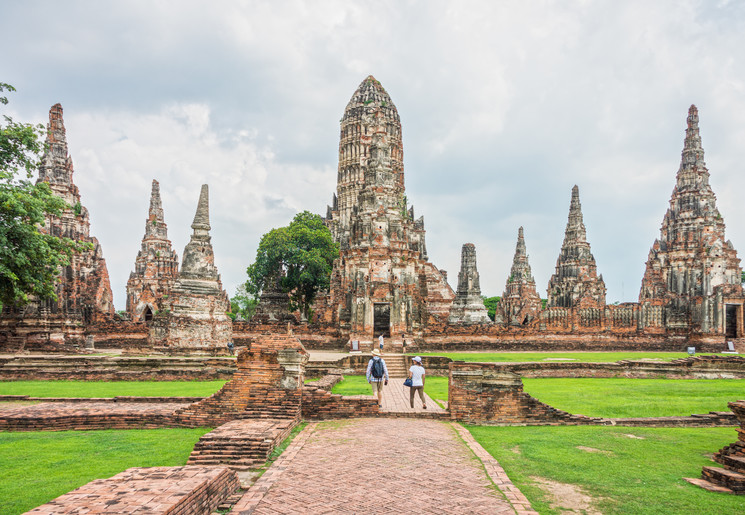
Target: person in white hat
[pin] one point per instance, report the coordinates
(377, 375)
(416, 374)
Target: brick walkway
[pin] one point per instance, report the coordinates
(396, 399)
(379, 466)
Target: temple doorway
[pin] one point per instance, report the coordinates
(730, 320)
(381, 319)
(147, 315)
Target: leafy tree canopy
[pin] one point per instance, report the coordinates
(242, 303)
(490, 303)
(298, 257)
(29, 259)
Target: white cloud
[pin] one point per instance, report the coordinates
(504, 106)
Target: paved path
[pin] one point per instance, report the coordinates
(396, 399)
(381, 466)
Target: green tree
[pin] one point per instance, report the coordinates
(243, 303)
(490, 303)
(29, 259)
(299, 257)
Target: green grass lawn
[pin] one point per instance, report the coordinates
(37, 467)
(435, 387)
(588, 357)
(621, 397)
(110, 388)
(624, 470)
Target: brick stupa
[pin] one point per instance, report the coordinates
(576, 282)
(382, 282)
(520, 303)
(468, 306)
(83, 292)
(693, 274)
(196, 318)
(156, 265)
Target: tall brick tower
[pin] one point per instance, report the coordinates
(369, 110)
(520, 302)
(83, 291)
(382, 282)
(693, 274)
(576, 282)
(156, 265)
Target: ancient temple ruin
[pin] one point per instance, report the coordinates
(520, 303)
(576, 282)
(382, 283)
(83, 292)
(156, 265)
(692, 279)
(468, 306)
(196, 317)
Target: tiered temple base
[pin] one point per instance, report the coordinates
(731, 477)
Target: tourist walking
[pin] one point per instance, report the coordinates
(416, 374)
(377, 375)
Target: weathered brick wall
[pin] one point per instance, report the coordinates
(485, 393)
(312, 336)
(115, 368)
(118, 334)
(320, 404)
(267, 384)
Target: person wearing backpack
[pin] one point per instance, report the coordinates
(377, 375)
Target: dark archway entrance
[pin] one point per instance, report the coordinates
(381, 319)
(730, 320)
(147, 314)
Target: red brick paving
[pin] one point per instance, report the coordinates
(378, 466)
(173, 490)
(396, 399)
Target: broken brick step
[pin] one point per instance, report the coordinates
(727, 478)
(734, 463)
(708, 485)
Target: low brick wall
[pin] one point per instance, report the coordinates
(116, 368)
(320, 404)
(482, 393)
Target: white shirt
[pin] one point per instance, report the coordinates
(417, 372)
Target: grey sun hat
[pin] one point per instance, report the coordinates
(417, 359)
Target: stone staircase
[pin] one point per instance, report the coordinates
(13, 345)
(731, 477)
(241, 444)
(398, 365)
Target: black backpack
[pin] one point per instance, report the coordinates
(377, 368)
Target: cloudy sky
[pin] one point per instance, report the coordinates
(504, 106)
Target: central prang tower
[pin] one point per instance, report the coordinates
(382, 282)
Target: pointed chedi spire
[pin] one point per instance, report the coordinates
(198, 258)
(520, 270)
(520, 302)
(56, 164)
(156, 265)
(468, 306)
(202, 216)
(692, 257)
(155, 227)
(576, 278)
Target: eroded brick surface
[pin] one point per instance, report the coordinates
(172, 490)
(84, 415)
(375, 466)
